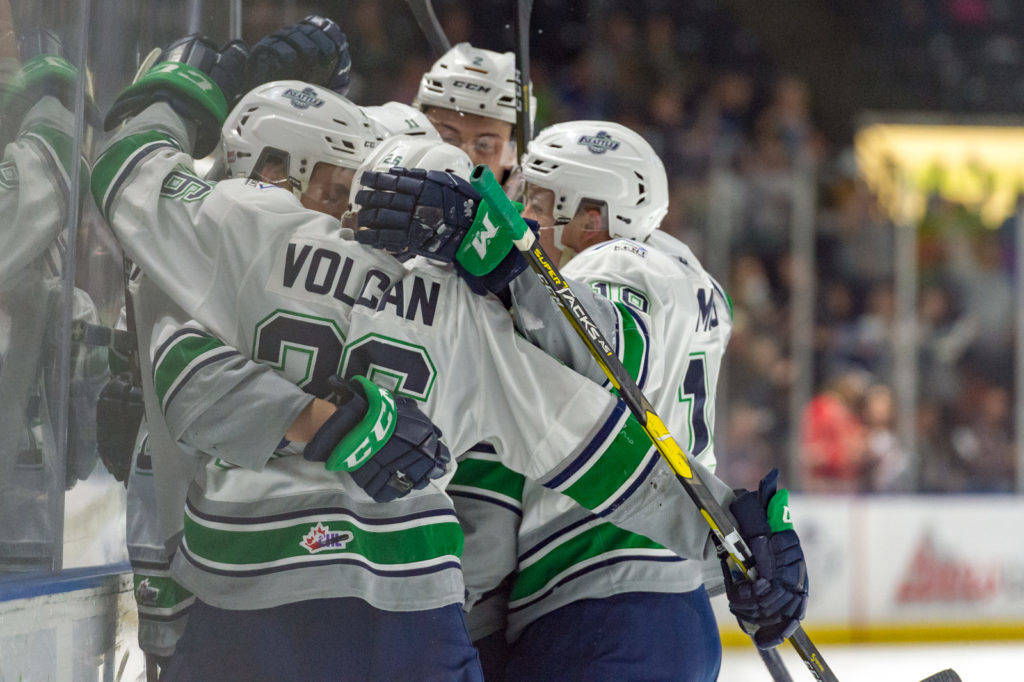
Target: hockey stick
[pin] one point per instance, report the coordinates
(726, 537)
(521, 22)
(423, 10)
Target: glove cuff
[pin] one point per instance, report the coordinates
(368, 436)
(779, 518)
(189, 91)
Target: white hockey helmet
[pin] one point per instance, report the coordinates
(473, 81)
(600, 161)
(410, 151)
(395, 118)
(300, 125)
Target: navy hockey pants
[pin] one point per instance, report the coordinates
(632, 636)
(324, 639)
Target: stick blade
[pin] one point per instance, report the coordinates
(947, 675)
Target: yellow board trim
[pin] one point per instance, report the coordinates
(908, 633)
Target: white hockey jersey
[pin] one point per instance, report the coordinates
(671, 323)
(284, 287)
(156, 513)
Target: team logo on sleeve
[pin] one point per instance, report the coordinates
(184, 186)
(321, 537)
(600, 143)
(303, 99)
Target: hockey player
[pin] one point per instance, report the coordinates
(469, 95)
(161, 466)
(600, 189)
(286, 288)
(396, 118)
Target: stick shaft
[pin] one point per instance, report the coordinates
(423, 10)
(521, 21)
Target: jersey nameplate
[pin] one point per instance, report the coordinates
(311, 271)
(707, 312)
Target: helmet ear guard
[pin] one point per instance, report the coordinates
(278, 159)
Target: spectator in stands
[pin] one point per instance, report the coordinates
(834, 448)
(886, 461)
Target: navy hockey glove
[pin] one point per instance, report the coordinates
(770, 607)
(386, 443)
(199, 81)
(314, 50)
(437, 215)
(119, 412)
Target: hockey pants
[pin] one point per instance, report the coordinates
(324, 639)
(632, 636)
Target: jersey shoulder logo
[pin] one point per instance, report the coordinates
(303, 99)
(630, 246)
(600, 143)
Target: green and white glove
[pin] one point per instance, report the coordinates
(199, 81)
(384, 442)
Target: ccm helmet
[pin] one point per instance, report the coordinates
(410, 151)
(600, 161)
(395, 118)
(473, 81)
(297, 125)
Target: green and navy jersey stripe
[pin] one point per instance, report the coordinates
(179, 358)
(610, 467)
(575, 550)
(411, 545)
(633, 344)
(117, 163)
(481, 476)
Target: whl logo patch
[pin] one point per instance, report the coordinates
(600, 143)
(321, 537)
(303, 99)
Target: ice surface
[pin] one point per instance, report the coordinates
(975, 662)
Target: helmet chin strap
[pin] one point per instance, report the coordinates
(556, 233)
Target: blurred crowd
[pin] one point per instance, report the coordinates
(739, 141)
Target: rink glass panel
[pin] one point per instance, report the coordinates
(62, 273)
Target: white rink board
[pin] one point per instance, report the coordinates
(916, 562)
(78, 634)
